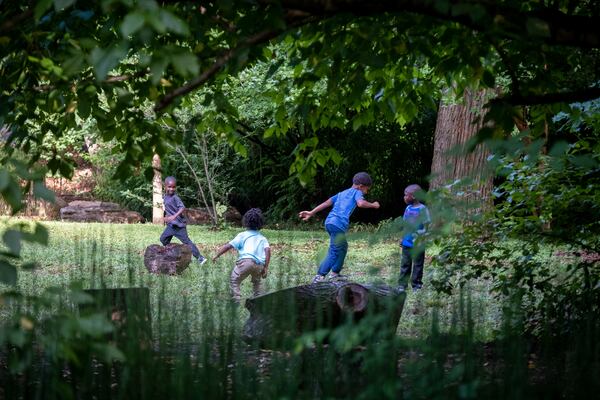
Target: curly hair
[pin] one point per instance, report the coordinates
(253, 219)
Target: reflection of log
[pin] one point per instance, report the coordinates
(279, 317)
(171, 259)
(127, 308)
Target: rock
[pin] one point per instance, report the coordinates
(171, 259)
(201, 216)
(98, 211)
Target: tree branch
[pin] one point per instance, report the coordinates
(219, 62)
(550, 98)
(550, 25)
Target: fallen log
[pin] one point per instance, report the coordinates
(127, 308)
(171, 259)
(277, 318)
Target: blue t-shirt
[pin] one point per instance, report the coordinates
(344, 204)
(172, 205)
(251, 244)
(416, 218)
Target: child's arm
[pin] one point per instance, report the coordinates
(305, 215)
(170, 218)
(224, 249)
(267, 260)
(366, 204)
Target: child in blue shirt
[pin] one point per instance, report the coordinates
(175, 220)
(337, 222)
(254, 254)
(416, 218)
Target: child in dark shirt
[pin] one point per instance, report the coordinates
(175, 220)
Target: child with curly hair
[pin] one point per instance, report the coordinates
(254, 254)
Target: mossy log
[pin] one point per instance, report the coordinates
(277, 318)
(171, 259)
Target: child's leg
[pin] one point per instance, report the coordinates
(334, 252)
(181, 234)
(166, 236)
(417, 273)
(342, 245)
(256, 277)
(242, 269)
(405, 267)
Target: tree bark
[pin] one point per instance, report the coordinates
(278, 318)
(171, 259)
(157, 189)
(456, 124)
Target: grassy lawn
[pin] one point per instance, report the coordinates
(111, 255)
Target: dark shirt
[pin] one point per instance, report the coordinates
(172, 205)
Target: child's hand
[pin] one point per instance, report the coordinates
(168, 218)
(305, 215)
(214, 258)
(376, 204)
(264, 273)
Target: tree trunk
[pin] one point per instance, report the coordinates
(278, 318)
(171, 259)
(157, 189)
(456, 124)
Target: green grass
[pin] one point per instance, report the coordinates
(111, 255)
(196, 350)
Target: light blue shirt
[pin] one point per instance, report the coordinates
(344, 204)
(251, 244)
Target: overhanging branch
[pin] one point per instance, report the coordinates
(550, 98)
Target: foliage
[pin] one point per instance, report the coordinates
(548, 202)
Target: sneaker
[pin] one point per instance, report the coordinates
(202, 260)
(318, 278)
(416, 288)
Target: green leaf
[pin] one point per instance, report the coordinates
(173, 23)
(4, 179)
(12, 240)
(104, 60)
(41, 191)
(185, 64)
(8, 273)
(132, 23)
(40, 8)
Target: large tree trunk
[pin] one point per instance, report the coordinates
(278, 318)
(456, 124)
(157, 189)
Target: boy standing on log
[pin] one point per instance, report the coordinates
(254, 254)
(175, 220)
(337, 223)
(416, 218)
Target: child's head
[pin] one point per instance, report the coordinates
(170, 185)
(253, 219)
(409, 194)
(362, 181)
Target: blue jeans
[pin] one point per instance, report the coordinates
(338, 247)
(180, 232)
